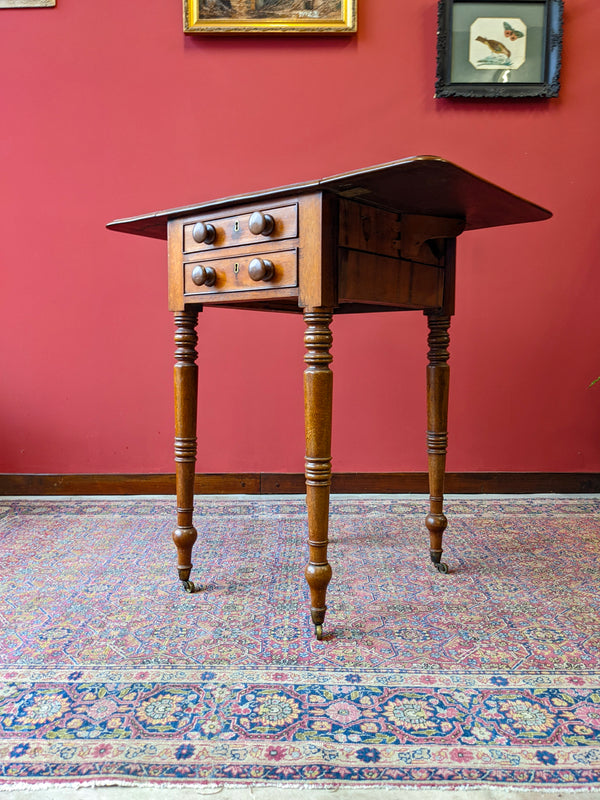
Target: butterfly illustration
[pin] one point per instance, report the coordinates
(511, 33)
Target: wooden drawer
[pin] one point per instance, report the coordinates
(233, 274)
(234, 230)
(379, 280)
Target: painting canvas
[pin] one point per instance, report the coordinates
(490, 40)
(255, 16)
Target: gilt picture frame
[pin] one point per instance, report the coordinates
(27, 3)
(495, 48)
(269, 16)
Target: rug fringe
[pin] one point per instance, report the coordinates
(217, 788)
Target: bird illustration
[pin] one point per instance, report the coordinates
(495, 47)
(511, 33)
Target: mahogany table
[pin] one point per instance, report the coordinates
(378, 239)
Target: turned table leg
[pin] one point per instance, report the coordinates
(318, 384)
(438, 380)
(186, 400)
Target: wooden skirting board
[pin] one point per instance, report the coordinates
(283, 483)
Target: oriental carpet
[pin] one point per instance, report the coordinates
(489, 675)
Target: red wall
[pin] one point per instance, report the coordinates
(108, 110)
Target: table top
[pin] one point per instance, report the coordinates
(427, 185)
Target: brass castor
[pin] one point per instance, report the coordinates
(442, 567)
(188, 587)
(319, 632)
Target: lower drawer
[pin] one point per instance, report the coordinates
(271, 270)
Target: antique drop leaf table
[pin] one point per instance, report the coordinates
(378, 239)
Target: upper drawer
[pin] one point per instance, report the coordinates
(268, 224)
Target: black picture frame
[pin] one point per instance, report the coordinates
(499, 48)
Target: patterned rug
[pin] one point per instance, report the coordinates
(489, 675)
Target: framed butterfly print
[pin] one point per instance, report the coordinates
(488, 48)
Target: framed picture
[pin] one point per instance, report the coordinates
(269, 16)
(488, 48)
(26, 3)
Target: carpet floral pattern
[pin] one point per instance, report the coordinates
(487, 675)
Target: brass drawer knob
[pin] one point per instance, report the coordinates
(260, 223)
(204, 233)
(204, 276)
(261, 269)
